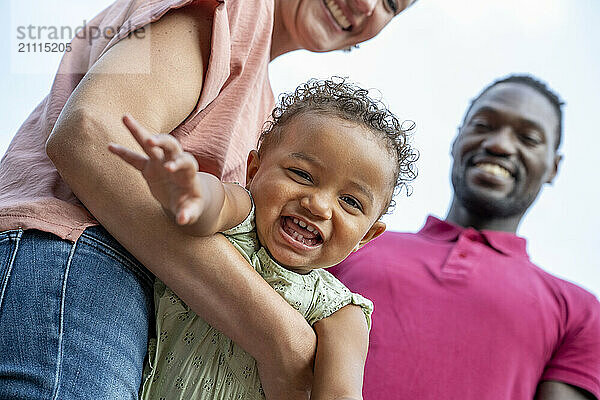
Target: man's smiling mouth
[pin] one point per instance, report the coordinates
(494, 169)
(338, 15)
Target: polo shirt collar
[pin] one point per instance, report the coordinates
(503, 242)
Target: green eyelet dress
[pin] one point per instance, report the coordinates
(189, 359)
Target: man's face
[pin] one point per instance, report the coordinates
(505, 151)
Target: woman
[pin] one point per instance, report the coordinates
(75, 306)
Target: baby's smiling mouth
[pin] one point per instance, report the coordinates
(301, 232)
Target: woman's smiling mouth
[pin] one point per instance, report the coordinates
(338, 15)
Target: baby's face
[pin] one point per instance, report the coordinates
(319, 191)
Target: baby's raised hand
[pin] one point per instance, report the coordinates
(170, 172)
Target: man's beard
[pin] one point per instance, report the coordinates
(477, 202)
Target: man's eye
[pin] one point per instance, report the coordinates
(482, 126)
(304, 175)
(352, 202)
(531, 140)
(392, 5)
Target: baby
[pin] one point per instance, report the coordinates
(328, 164)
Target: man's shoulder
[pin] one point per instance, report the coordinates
(390, 244)
(393, 241)
(572, 290)
(570, 294)
(392, 237)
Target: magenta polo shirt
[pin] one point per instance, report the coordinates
(463, 314)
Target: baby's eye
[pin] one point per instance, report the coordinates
(352, 202)
(303, 175)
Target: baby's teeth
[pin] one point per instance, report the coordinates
(302, 224)
(299, 237)
(296, 220)
(309, 228)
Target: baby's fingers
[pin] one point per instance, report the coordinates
(136, 160)
(170, 146)
(189, 212)
(183, 166)
(142, 136)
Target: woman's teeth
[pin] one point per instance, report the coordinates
(338, 15)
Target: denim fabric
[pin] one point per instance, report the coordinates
(74, 317)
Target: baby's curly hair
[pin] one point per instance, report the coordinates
(344, 100)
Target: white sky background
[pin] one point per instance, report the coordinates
(427, 64)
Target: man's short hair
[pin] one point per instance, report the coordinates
(535, 84)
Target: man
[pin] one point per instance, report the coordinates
(460, 311)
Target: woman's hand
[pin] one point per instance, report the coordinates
(170, 172)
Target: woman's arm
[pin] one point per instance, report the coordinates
(207, 273)
(342, 343)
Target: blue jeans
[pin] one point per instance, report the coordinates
(74, 317)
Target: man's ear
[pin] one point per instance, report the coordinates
(557, 159)
(375, 230)
(454, 141)
(252, 166)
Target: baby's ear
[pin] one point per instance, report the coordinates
(252, 165)
(376, 229)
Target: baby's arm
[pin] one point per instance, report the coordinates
(199, 202)
(342, 343)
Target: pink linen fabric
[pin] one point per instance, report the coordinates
(463, 314)
(235, 101)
